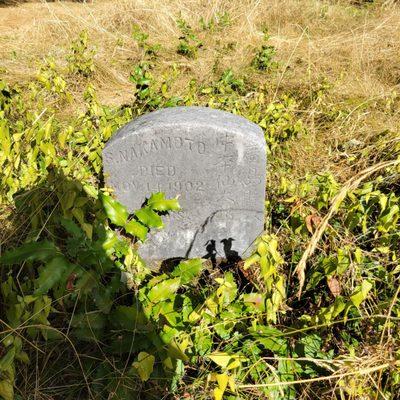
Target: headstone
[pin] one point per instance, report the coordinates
(214, 160)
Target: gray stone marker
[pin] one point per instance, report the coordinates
(215, 161)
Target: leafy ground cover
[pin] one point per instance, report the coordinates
(312, 313)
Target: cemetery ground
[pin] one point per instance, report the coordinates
(312, 313)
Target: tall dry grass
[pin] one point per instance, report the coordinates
(356, 47)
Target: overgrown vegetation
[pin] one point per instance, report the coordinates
(312, 313)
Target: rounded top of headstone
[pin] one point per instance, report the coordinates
(189, 116)
(215, 161)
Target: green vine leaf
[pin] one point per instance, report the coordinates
(164, 290)
(188, 270)
(33, 251)
(116, 212)
(158, 202)
(361, 293)
(135, 228)
(144, 365)
(52, 273)
(7, 360)
(149, 218)
(6, 390)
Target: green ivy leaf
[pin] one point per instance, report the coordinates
(167, 309)
(176, 349)
(360, 293)
(135, 228)
(220, 358)
(91, 191)
(149, 218)
(128, 318)
(7, 360)
(311, 345)
(111, 241)
(188, 270)
(164, 290)
(51, 274)
(224, 360)
(33, 251)
(203, 340)
(6, 390)
(144, 365)
(254, 258)
(116, 212)
(158, 202)
(271, 338)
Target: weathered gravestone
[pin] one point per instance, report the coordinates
(215, 161)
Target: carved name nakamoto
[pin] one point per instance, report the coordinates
(144, 148)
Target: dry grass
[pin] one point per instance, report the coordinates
(356, 48)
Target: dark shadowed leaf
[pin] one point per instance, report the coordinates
(128, 318)
(33, 251)
(7, 360)
(52, 273)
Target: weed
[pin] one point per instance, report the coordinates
(263, 60)
(150, 50)
(80, 59)
(217, 22)
(189, 43)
